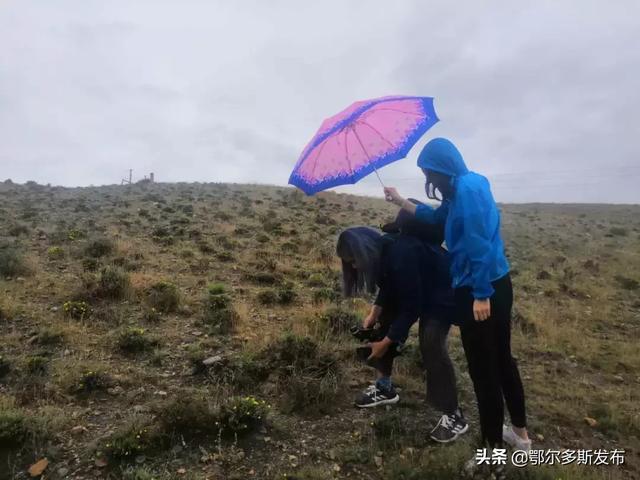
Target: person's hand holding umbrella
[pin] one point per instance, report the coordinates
(392, 195)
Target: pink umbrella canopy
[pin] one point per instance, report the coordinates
(361, 139)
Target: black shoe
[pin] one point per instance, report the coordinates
(449, 428)
(374, 396)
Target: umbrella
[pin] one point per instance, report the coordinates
(362, 138)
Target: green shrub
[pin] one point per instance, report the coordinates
(18, 229)
(316, 280)
(627, 283)
(618, 231)
(164, 297)
(241, 372)
(91, 381)
(308, 377)
(134, 340)
(307, 393)
(443, 464)
(12, 263)
(389, 425)
(320, 295)
(241, 415)
(225, 256)
(55, 253)
(50, 336)
(75, 234)
(205, 247)
(286, 295)
(5, 366)
(113, 283)
(264, 278)
(99, 247)
(186, 253)
(267, 297)
(219, 314)
(130, 441)
(187, 415)
(291, 351)
(262, 238)
(339, 320)
(216, 289)
(290, 247)
(126, 264)
(78, 310)
(151, 315)
(37, 365)
(13, 427)
(90, 264)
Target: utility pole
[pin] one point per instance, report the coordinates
(124, 180)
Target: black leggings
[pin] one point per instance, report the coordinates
(493, 370)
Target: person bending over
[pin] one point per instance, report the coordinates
(410, 270)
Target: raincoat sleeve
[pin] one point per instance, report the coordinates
(405, 276)
(428, 214)
(476, 210)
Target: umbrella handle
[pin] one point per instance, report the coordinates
(379, 179)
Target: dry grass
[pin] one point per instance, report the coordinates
(575, 333)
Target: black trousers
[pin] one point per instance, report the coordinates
(442, 393)
(493, 370)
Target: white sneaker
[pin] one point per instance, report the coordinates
(514, 440)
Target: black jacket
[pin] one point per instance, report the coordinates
(413, 281)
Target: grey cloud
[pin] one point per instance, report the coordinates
(540, 96)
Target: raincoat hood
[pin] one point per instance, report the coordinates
(442, 156)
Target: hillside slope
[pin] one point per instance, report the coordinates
(197, 331)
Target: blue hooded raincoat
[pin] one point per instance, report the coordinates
(471, 218)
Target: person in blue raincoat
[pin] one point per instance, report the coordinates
(482, 285)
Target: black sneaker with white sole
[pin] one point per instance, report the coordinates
(449, 428)
(374, 396)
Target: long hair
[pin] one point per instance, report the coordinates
(359, 248)
(430, 189)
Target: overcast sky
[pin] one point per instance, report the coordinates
(543, 97)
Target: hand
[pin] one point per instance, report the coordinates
(481, 309)
(392, 195)
(369, 321)
(378, 349)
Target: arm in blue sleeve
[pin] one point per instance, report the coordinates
(428, 214)
(477, 241)
(406, 283)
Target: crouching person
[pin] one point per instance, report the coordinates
(409, 269)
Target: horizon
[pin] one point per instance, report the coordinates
(291, 187)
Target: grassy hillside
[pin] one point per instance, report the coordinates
(196, 331)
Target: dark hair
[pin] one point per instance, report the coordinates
(430, 190)
(360, 246)
(407, 224)
(436, 181)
